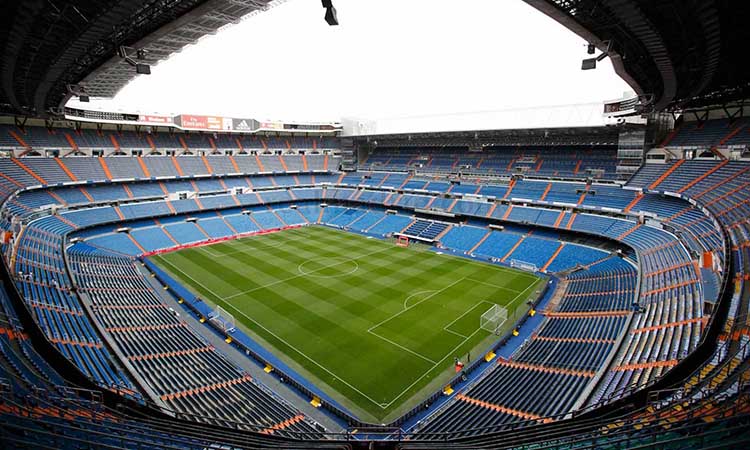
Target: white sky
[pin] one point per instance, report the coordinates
(388, 58)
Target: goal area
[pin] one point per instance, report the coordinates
(402, 241)
(222, 319)
(493, 319)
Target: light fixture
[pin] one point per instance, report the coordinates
(79, 91)
(590, 63)
(141, 67)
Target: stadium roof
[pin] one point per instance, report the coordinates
(46, 45)
(686, 53)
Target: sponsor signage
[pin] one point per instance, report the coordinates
(161, 120)
(211, 123)
(244, 125)
(197, 122)
(272, 125)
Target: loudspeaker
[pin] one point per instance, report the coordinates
(143, 69)
(588, 64)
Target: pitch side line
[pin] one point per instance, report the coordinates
(284, 280)
(494, 285)
(238, 246)
(336, 377)
(433, 367)
(516, 272)
(402, 347)
(521, 293)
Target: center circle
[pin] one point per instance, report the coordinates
(332, 267)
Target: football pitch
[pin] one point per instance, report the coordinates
(374, 325)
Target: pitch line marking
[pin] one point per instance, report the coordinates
(414, 295)
(238, 245)
(414, 305)
(284, 280)
(293, 348)
(432, 368)
(336, 377)
(516, 272)
(521, 293)
(493, 285)
(419, 355)
(314, 275)
(465, 313)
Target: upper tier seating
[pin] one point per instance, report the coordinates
(570, 162)
(65, 139)
(711, 133)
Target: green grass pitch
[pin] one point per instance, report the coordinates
(375, 325)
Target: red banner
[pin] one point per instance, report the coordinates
(164, 120)
(198, 122)
(217, 240)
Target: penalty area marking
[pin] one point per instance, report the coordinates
(406, 301)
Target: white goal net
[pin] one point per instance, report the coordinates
(493, 319)
(222, 319)
(523, 265)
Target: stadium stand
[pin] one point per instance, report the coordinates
(550, 352)
(185, 372)
(571, 163)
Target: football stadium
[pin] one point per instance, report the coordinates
(564, 277)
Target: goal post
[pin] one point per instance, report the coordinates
(402, 241)
(222, 319)
(523, 265)
(493, 319)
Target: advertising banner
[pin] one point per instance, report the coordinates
(244, 125)
(157, 120)
(195, 122)
(272, 125)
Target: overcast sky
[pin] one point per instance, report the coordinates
(388, 58)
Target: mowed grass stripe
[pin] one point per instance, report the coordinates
(320, 324)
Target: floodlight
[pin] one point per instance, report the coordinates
(142, 69)
(590, 63)
(126, 53)
(79, 91)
